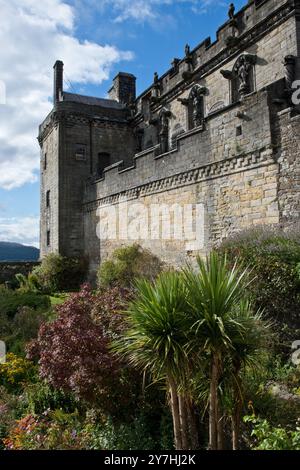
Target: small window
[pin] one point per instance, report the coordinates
(103, 162)
(80, 152)
(48, 199)
(45, 161)
(48, 237)
(239, 131)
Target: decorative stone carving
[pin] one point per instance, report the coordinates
(175, 64)
(187, 50)
(290, 66)
(216, 107)
(197, 108)
(242, 70)
(156, 88)
(227, 74)
(164, 130)
(187, 74)
(231, 11)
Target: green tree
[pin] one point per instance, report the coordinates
(157, 340)
(218, 325)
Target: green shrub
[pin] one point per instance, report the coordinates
(29, 283)
(11, 301)
(126, 264)
(22, 328)
(141, 433)
(274, 257)
(58, 273)
(16, 372)
(41, 396)
(268, 437)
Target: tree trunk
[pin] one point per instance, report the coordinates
(175, 414)
(193, 429)
(213, 405)
(220, 427)
(183, 422)
(235, 432)
(236, 415)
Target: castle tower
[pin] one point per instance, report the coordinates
(79, 139)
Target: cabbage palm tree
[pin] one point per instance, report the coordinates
(248, 344)
(157, 341)
(214, 294)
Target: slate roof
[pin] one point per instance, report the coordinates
(92, 101)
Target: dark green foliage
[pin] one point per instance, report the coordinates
(41, 396)
(20, 329)
(11, 301)
(274, 257)
(126, 264)
(59, 273)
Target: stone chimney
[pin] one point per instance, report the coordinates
(58, 80)
(123, 89)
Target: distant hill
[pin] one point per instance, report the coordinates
(17, 252)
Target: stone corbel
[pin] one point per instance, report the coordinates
(183, 101)
(228, 74)
(251, 58)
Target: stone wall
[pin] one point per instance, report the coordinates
(233, 177)
(289, 166)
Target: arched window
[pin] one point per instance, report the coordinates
(196, 107)
(103, 162)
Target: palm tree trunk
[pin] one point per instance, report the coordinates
(213, 405)
(235, 432)
(175, 414)
(183, 422)
(220, 427)
(236, 415)
(193, 430)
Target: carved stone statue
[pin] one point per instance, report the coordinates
(231, 11)
(164, 130)
(155, 79)
(196, 98)
(242, 71)
(187, 50)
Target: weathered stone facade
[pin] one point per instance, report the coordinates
(217, 129)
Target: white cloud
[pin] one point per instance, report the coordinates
(20, 230)
(32, 36)
(149, 10)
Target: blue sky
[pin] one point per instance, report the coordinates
(95, 39)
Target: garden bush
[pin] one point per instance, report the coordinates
(58, 273)
(40, 396)
(126, 264)
(22, 328)
(267, 437)
(274, 257)
(16, 372)
(12, 300)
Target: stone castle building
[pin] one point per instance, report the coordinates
(218, 129)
